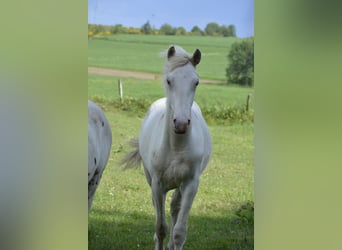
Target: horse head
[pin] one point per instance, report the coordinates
(181, 80)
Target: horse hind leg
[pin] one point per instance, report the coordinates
(175, 206)
(148, 176)
(92, 186)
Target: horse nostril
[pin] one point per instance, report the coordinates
(188, 122)
(174, 121)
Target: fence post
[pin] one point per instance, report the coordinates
(248, 102)
(120, 90)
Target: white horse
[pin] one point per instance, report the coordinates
(174, 146)
(99, 145)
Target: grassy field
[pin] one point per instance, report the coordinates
(122, 216)
(141, 53)
(208, 96)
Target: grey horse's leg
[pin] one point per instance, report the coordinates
(175, 207)
(188, 192)
(159, 205)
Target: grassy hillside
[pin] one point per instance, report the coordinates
(141, 52)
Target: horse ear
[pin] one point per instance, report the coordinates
(196, 58)
(171, 52)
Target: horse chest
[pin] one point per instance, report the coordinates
(174, 170)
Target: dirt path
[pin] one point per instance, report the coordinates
(134, 74)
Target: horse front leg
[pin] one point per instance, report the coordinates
(188, 192)
(175, 206)
(159, 196)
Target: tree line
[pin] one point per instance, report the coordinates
(211, 29)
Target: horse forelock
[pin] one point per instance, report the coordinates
(180, 59)
(177, 61)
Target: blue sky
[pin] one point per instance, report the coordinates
(186, 13)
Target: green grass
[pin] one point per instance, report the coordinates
(206, 94)
(122, 216)
(107, 87)
(141, 53)
(224, 103)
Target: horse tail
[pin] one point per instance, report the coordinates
(132, 159)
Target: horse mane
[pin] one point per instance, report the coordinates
(181, 58)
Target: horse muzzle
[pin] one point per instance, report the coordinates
(181, 126)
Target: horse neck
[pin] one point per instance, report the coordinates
(175, 141)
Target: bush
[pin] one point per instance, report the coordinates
(245, 213)
(241, 63)
(223, 115)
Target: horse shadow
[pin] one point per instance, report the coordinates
(134, 230)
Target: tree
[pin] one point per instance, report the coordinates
(196, 31)
(231, 30)
(146, 28)
(180, 31)
(117, 29)
(241, 63)
(227, 31)
(212, 29)
(167, 29)
(96, 28)
(224, 30)
(92, 28)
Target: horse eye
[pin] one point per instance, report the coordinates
(197, 83)
(168, 81)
